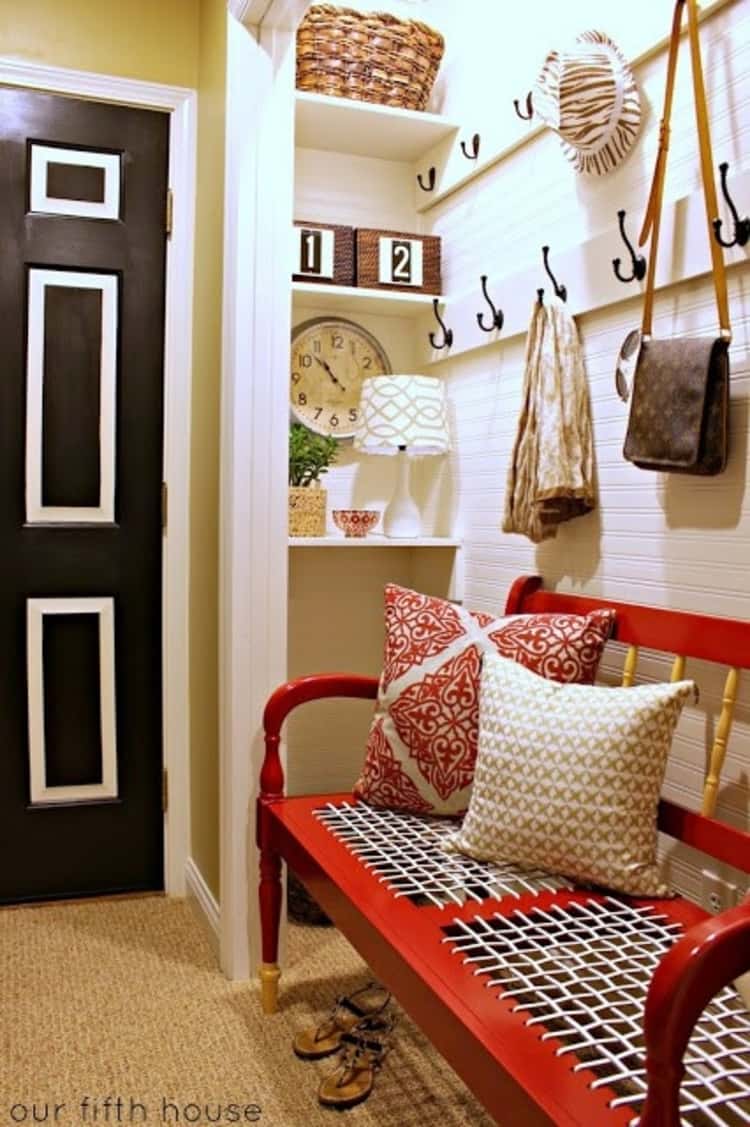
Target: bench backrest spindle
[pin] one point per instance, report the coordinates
(719, 748)
(629, 666)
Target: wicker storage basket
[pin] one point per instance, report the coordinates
(368, 261)
(367, 56)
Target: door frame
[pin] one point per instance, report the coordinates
(181, 105)
(258, 213)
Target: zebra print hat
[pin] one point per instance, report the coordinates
(588, 95)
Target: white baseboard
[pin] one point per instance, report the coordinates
(204, 903)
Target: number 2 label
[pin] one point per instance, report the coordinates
(400, 262)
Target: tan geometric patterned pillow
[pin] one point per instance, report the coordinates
(423, 739)
(568, 777)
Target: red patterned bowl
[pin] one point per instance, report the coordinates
(355, 522)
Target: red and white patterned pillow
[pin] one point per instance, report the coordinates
(423, 739)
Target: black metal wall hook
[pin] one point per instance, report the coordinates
(447, 333)
(560, 290)
(497, 314)
(529, 108)
(474, 148)
(429, 186)
(741, 226)
(638, 262)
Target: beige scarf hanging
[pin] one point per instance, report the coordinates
(551, 474)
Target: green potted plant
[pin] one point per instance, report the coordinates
(310, 455)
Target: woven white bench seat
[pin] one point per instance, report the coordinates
(405, 850)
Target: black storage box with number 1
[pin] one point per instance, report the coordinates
(323, 253)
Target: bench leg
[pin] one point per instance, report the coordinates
(270, 915)
(269, 974)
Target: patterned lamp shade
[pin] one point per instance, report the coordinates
(397, 412)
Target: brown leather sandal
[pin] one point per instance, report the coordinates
(346, 1014)
(362, 1054)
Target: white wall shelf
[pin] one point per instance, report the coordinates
(372, 541)
(366, 129)
(354, 163)
(338, 299)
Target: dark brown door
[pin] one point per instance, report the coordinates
(82, 253)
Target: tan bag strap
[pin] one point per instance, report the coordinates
(652, 218)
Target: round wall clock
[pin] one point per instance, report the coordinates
(330, 358)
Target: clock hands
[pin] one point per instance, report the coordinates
(327, 367)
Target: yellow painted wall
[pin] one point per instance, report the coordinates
(183, 43)
(204, 483)
(153, 40)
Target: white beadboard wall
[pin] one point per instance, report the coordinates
(535, 196)
(666, 540)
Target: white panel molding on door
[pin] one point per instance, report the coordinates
(106, 284)
(181, 104)
(36, 611)
(40, 198)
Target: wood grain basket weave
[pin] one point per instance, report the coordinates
(368, 261)
(367, 56)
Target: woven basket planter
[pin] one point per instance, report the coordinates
(367, 56)
(307, 511)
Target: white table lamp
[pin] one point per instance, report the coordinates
(402, 415)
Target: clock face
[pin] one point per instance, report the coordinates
(330, 359)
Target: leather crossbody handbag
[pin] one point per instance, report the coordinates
(679, 410)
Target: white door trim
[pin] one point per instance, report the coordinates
(180, 103)
(255, 422)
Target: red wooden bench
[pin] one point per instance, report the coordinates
(554, 1004)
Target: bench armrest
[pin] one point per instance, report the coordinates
(708, 957)
(316, 686)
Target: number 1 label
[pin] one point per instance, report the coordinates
(314, 252)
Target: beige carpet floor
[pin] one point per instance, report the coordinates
(123, 999)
